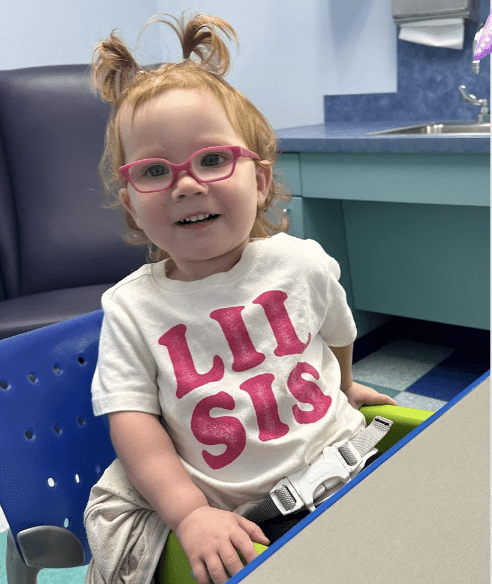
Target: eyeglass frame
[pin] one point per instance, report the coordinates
(237, 152)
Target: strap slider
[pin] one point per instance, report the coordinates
(350, 455)
(285, 497)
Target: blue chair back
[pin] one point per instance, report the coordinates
(52, 447)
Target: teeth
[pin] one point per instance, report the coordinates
(195, 218)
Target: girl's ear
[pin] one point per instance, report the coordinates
(263, 181)
(127, 203)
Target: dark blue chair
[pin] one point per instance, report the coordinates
(52, 447)
(60, 247)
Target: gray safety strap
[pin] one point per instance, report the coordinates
(363, 443)
(367, 439)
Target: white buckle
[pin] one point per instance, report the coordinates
(306, 485)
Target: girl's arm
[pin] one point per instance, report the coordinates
(344, 358)
(152, 465)
(208, 535)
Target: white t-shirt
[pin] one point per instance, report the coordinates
(237, 364)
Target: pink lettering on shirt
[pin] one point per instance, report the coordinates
(260, 390)
(187, 376)
(235, 331)
(307, 392)
(226, 430)
(288, 343)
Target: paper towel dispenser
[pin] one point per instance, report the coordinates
(435, 23)
(404, 11)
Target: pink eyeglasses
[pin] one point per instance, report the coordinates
(206, 165)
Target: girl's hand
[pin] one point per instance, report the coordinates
(209, 537)
(359, 395)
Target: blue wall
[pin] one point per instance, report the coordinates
(428, 81)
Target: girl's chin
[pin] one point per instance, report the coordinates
(198, 266)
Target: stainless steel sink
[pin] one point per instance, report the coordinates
(457, 128)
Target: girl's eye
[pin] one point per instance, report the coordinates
(155, 170)
(214, 159)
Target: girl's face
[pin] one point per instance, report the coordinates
(173, 126)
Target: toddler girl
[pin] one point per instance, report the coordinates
(225, 364)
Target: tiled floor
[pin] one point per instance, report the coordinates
(66, 576)
(421, 365)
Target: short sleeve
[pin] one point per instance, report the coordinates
(338, 328)
(125, 375)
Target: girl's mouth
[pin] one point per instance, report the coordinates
(197, 220)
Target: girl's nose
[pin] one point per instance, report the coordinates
(186, 185)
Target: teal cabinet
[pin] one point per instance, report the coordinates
(411, 231)
(429, 262)
(295, 211)
(431, 178)
(288, 173)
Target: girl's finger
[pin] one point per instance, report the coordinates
(254, 531)
(231, 559)
(199, 573)
(216, 570)
(246, 548)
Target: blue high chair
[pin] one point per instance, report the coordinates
(53, 449)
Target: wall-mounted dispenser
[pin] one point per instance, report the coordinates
(436, 23)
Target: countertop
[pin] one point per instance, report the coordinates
(349, 137)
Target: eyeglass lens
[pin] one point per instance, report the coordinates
(207, 166)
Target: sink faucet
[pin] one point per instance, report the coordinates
(472, 100)
(476, 64)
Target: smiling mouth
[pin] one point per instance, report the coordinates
(197, 219)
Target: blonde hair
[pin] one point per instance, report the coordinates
(119, 80)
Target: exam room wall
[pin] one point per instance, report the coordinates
(289, 56)
(428, 81)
